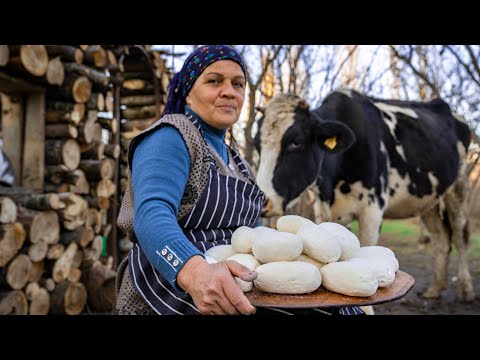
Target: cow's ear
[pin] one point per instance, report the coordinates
(333, 136)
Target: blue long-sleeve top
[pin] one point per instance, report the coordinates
(160, 171)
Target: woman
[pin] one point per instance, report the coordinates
(191, 192)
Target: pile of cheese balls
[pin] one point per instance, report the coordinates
(300, 256)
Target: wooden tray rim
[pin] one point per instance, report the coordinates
(322, 297)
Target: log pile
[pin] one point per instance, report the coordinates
(53, 241)
(143, 95)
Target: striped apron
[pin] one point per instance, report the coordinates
(226, 204)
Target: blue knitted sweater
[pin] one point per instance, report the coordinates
(160, 170)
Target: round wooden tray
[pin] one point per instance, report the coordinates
(324, 298)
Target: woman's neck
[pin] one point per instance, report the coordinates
(214, 137)
(205, 126)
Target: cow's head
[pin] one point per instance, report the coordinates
(292, 143)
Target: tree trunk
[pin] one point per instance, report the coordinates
(105, 188)
(98, 202)
(112, 150)
(78, 182)
(64, 111)
(62, 266)
(90, 130)
(18, 272)
(100, 283)
(13, 303)
(95, 217)
(55, 72)
(68, 298)
(74, 275)
(96, 55)
(55, 251)
(37, 271)
(97, 169)
(37, 251)
(33, 164)
(49, 284)
(96, 102)
(12, 237)
(63, 152)
(38, 201)
(32, 58)
(41, 225)
(140, 112)
(93, 151)
(76, 88)
(140, 124)
(60, 131)
(109, 101)
(138, 100)
(8, 210)
(95, 76)
(39, 299)
(4, 55)
(66, 52)
(75, 205)
(94, 252)
(82, 236)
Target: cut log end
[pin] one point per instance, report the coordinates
(13, 303)
(35, 59)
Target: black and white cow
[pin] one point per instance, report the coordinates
(367, 159)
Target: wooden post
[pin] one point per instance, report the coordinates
(112, 244)
(33, 170)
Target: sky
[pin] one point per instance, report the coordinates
(373, 57)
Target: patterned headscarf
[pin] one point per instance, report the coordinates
(193, 67)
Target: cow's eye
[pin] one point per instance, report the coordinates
(293, 146)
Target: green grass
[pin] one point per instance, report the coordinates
(397, 227)
(475, 245)
(408, 232)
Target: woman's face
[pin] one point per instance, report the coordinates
(218, 94)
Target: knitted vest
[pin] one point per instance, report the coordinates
(199, 166)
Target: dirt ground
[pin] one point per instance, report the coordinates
(417, 260)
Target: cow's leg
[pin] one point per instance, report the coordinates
(369, 221)
(441, 248)
(456, 205)
(321, 211)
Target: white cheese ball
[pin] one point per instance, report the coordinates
(385, 257)
(270, 246)
(210, 259)
(251, 263)
(383, 269)
(220, 252)
(348, 240)
(288, 277)
(242, 239)
(366, 251)
(291, 223)
(349, 278)
(264, 230)
(308, 259)
(319, 244)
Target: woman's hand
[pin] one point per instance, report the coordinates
(213, 287)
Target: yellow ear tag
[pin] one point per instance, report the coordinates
(331, 142)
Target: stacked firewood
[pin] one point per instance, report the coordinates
(143, 95)
(53, 242)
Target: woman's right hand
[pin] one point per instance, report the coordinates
(213, 287)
